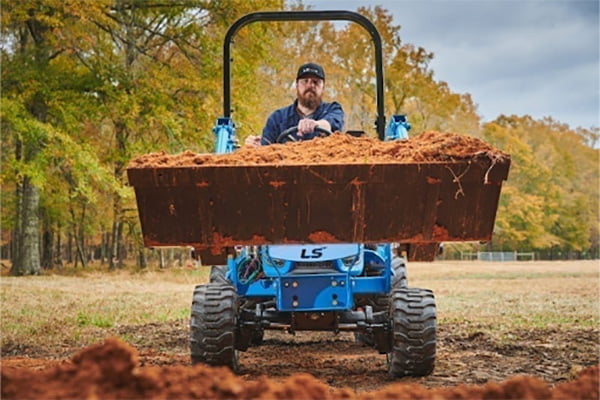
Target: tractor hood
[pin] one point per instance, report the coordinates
(311, 252)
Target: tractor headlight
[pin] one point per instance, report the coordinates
(350, 261)
(277, 262)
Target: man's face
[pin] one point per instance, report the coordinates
(310, 91)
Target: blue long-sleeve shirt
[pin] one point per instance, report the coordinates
(287, 117)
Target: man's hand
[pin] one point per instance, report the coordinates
(308, 125)
(252, 141)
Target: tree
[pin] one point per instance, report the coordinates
(551, 196)
(45, 97)
(29, 102)
(88, 85)
(159, 70)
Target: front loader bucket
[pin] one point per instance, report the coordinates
(215, 207)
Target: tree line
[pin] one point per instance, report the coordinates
(87, 86)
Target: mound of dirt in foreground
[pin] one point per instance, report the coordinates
(110, 370)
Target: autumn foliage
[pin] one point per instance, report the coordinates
(87, 86)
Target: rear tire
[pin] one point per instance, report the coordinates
(213, 325)
(414, 326)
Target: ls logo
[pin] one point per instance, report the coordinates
(317, 252)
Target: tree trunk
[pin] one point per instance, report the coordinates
(80, 254)
(161, 258)
(116, 248)
(122, 250)
(29, 262)
(115, 254)
(81, 236)
(47, 243)
(15, 238)
(104, 247)
(142, 262)
(77, 232)
(69, 248)
(58, 260)
(17, 233)
(171, 257)
(47, 248)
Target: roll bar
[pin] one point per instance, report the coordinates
(306, 16)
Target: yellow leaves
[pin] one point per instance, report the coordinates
(153, 76)
(522, 218)
(551, 196)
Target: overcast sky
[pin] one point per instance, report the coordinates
(536, 57)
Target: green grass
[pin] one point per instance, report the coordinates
(93, 319)
(72, 309)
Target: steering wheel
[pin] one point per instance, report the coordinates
(287, 134)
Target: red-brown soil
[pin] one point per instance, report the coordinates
(337, 149)
(534, 364)
(112, 370)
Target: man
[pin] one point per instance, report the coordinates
(307, 112)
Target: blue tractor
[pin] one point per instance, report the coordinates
(326, 287)
(325, 252)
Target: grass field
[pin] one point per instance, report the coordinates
(55, 311)
(503, 296)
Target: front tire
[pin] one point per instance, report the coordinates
(413, 339)
(399, 279)
(213, 325)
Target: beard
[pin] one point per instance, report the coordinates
(309, 99)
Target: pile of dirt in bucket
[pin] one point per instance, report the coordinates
(337, 148)
(111, 370)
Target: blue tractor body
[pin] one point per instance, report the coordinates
(311, 277)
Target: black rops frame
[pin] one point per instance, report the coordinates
(306, 16)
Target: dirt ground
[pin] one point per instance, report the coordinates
(550, 357)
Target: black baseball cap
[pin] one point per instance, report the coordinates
(310, 69)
